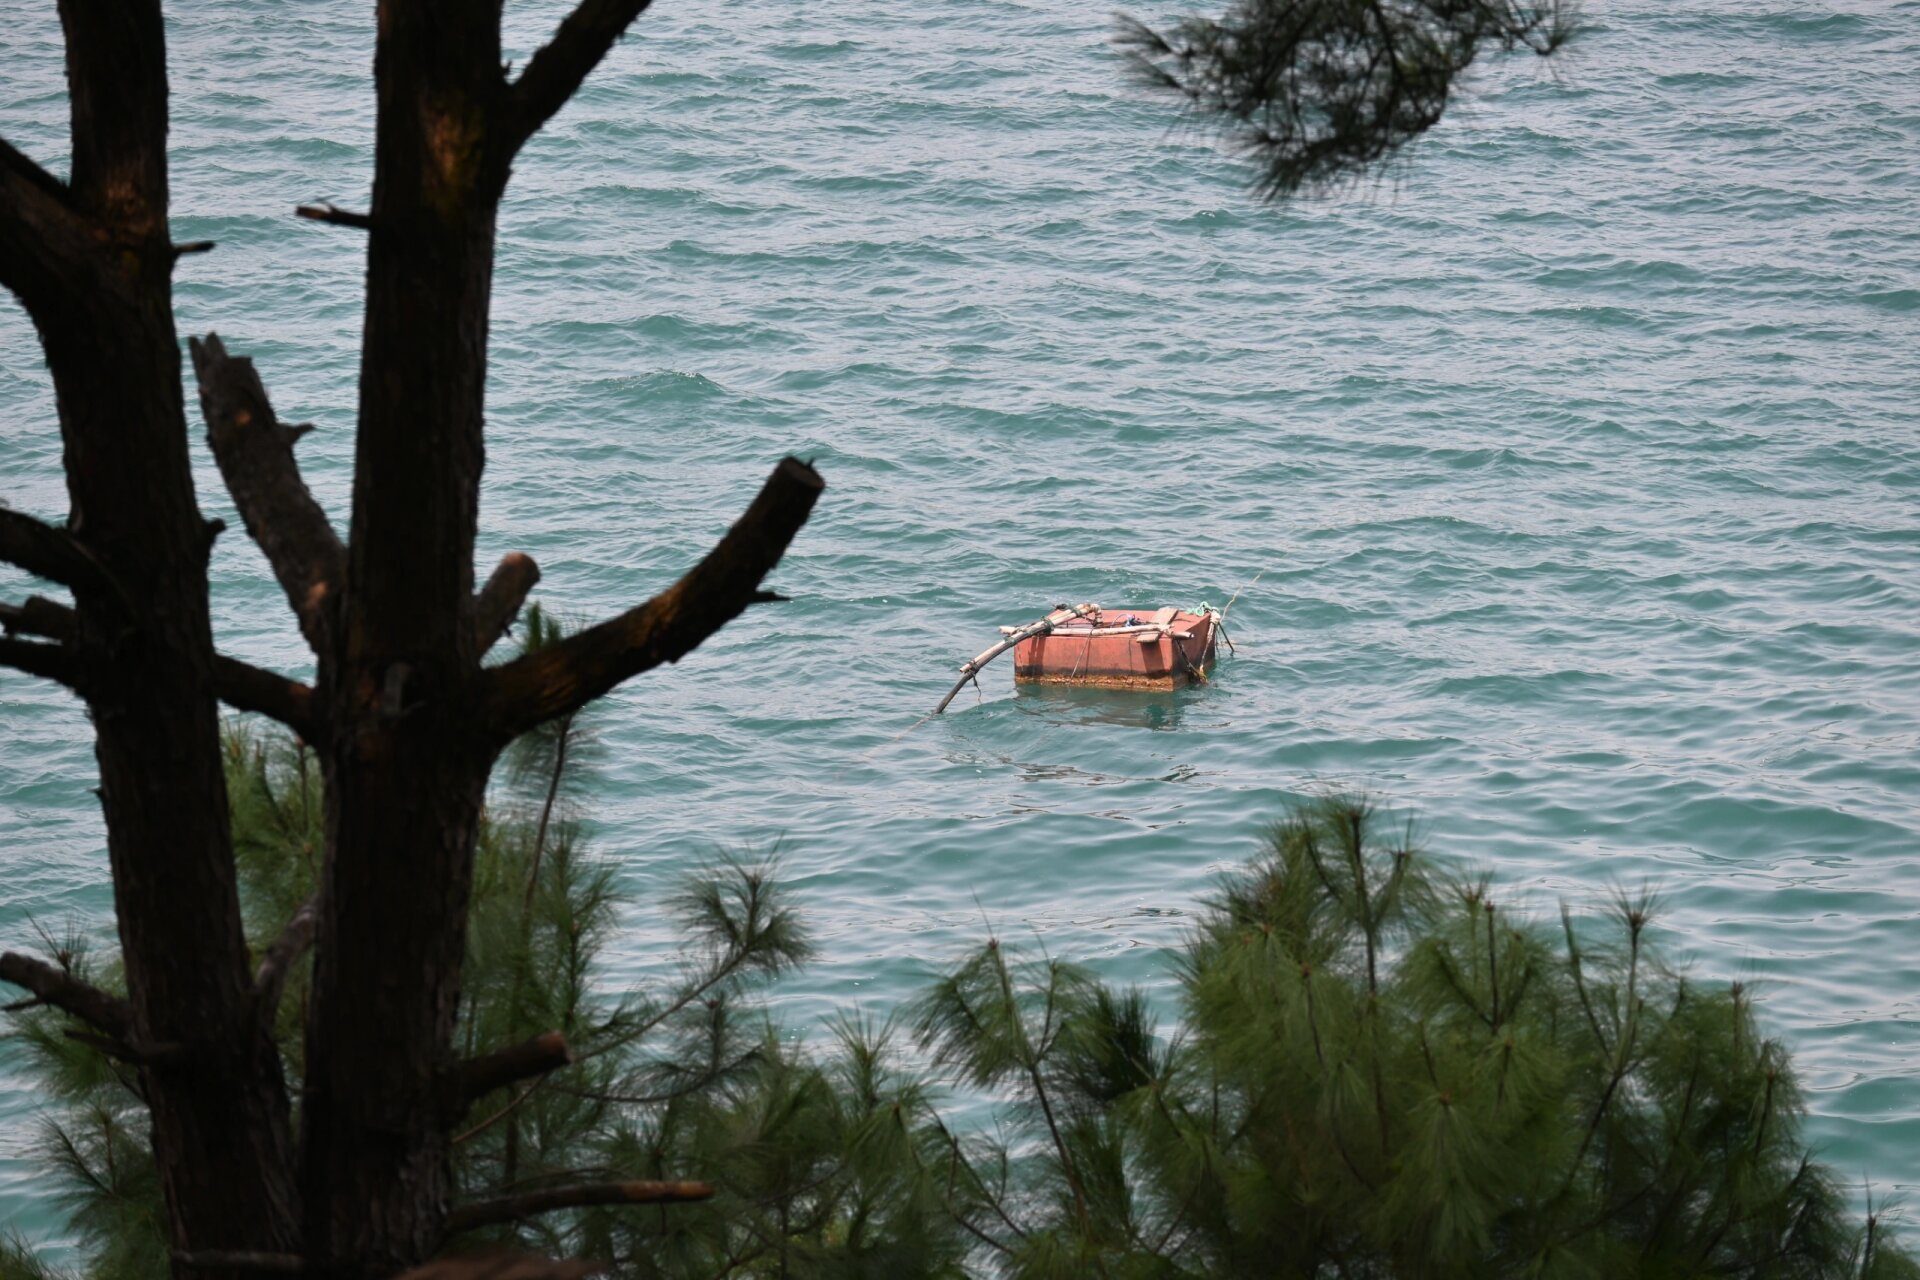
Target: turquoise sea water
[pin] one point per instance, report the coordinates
(1580, 454)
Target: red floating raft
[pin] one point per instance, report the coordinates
(1158, 649)
(1120, 649)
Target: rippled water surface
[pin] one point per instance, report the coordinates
(1580, 456)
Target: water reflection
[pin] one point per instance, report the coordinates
(1120, 708)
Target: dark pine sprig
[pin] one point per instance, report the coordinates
(1318, 91)
(1385, 1071)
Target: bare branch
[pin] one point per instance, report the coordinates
(16, 164)
(42, 234)
(256, 460)
(193, 246)
(48, 661)
(577, 670)
(498, 603)
(270, 978)
(339, 217)
(46, 552)
(558, 67)
(475, 1078)
(527, 1204)
(240, 686)
(110, 1015)
(39, 616)
(249, 688)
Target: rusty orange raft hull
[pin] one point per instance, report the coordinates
(1121, 649)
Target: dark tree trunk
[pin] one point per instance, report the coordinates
(408, 762)
(407, 722)
(143, 647)
(220, 1124)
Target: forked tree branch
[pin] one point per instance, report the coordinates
(530, 1203)
(497, 604)
(477, 1077)
(46, 552)
(61, 243)
(16, 164)
(109, 1015)
(256, 459)
(53, 662)
(557, 69)
(239, 685)
(42, 235)
(567, 675)
(39, 616)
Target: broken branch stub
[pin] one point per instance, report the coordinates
(564, 676)
(256, 460)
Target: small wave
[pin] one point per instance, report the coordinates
(1901, 300)
(813, 51)
(669, 386)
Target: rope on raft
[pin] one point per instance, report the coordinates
(1092, 633)
(970, 669)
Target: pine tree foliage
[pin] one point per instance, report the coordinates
(1315, 91)
(1383, 1071)
(542, 908)
(92, 1144)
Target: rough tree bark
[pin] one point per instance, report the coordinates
(92, 262)
(406, 720)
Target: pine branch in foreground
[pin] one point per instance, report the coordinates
(1381, 1070)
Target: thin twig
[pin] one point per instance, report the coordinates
(339, 217)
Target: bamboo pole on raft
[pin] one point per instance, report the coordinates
(970, 669)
